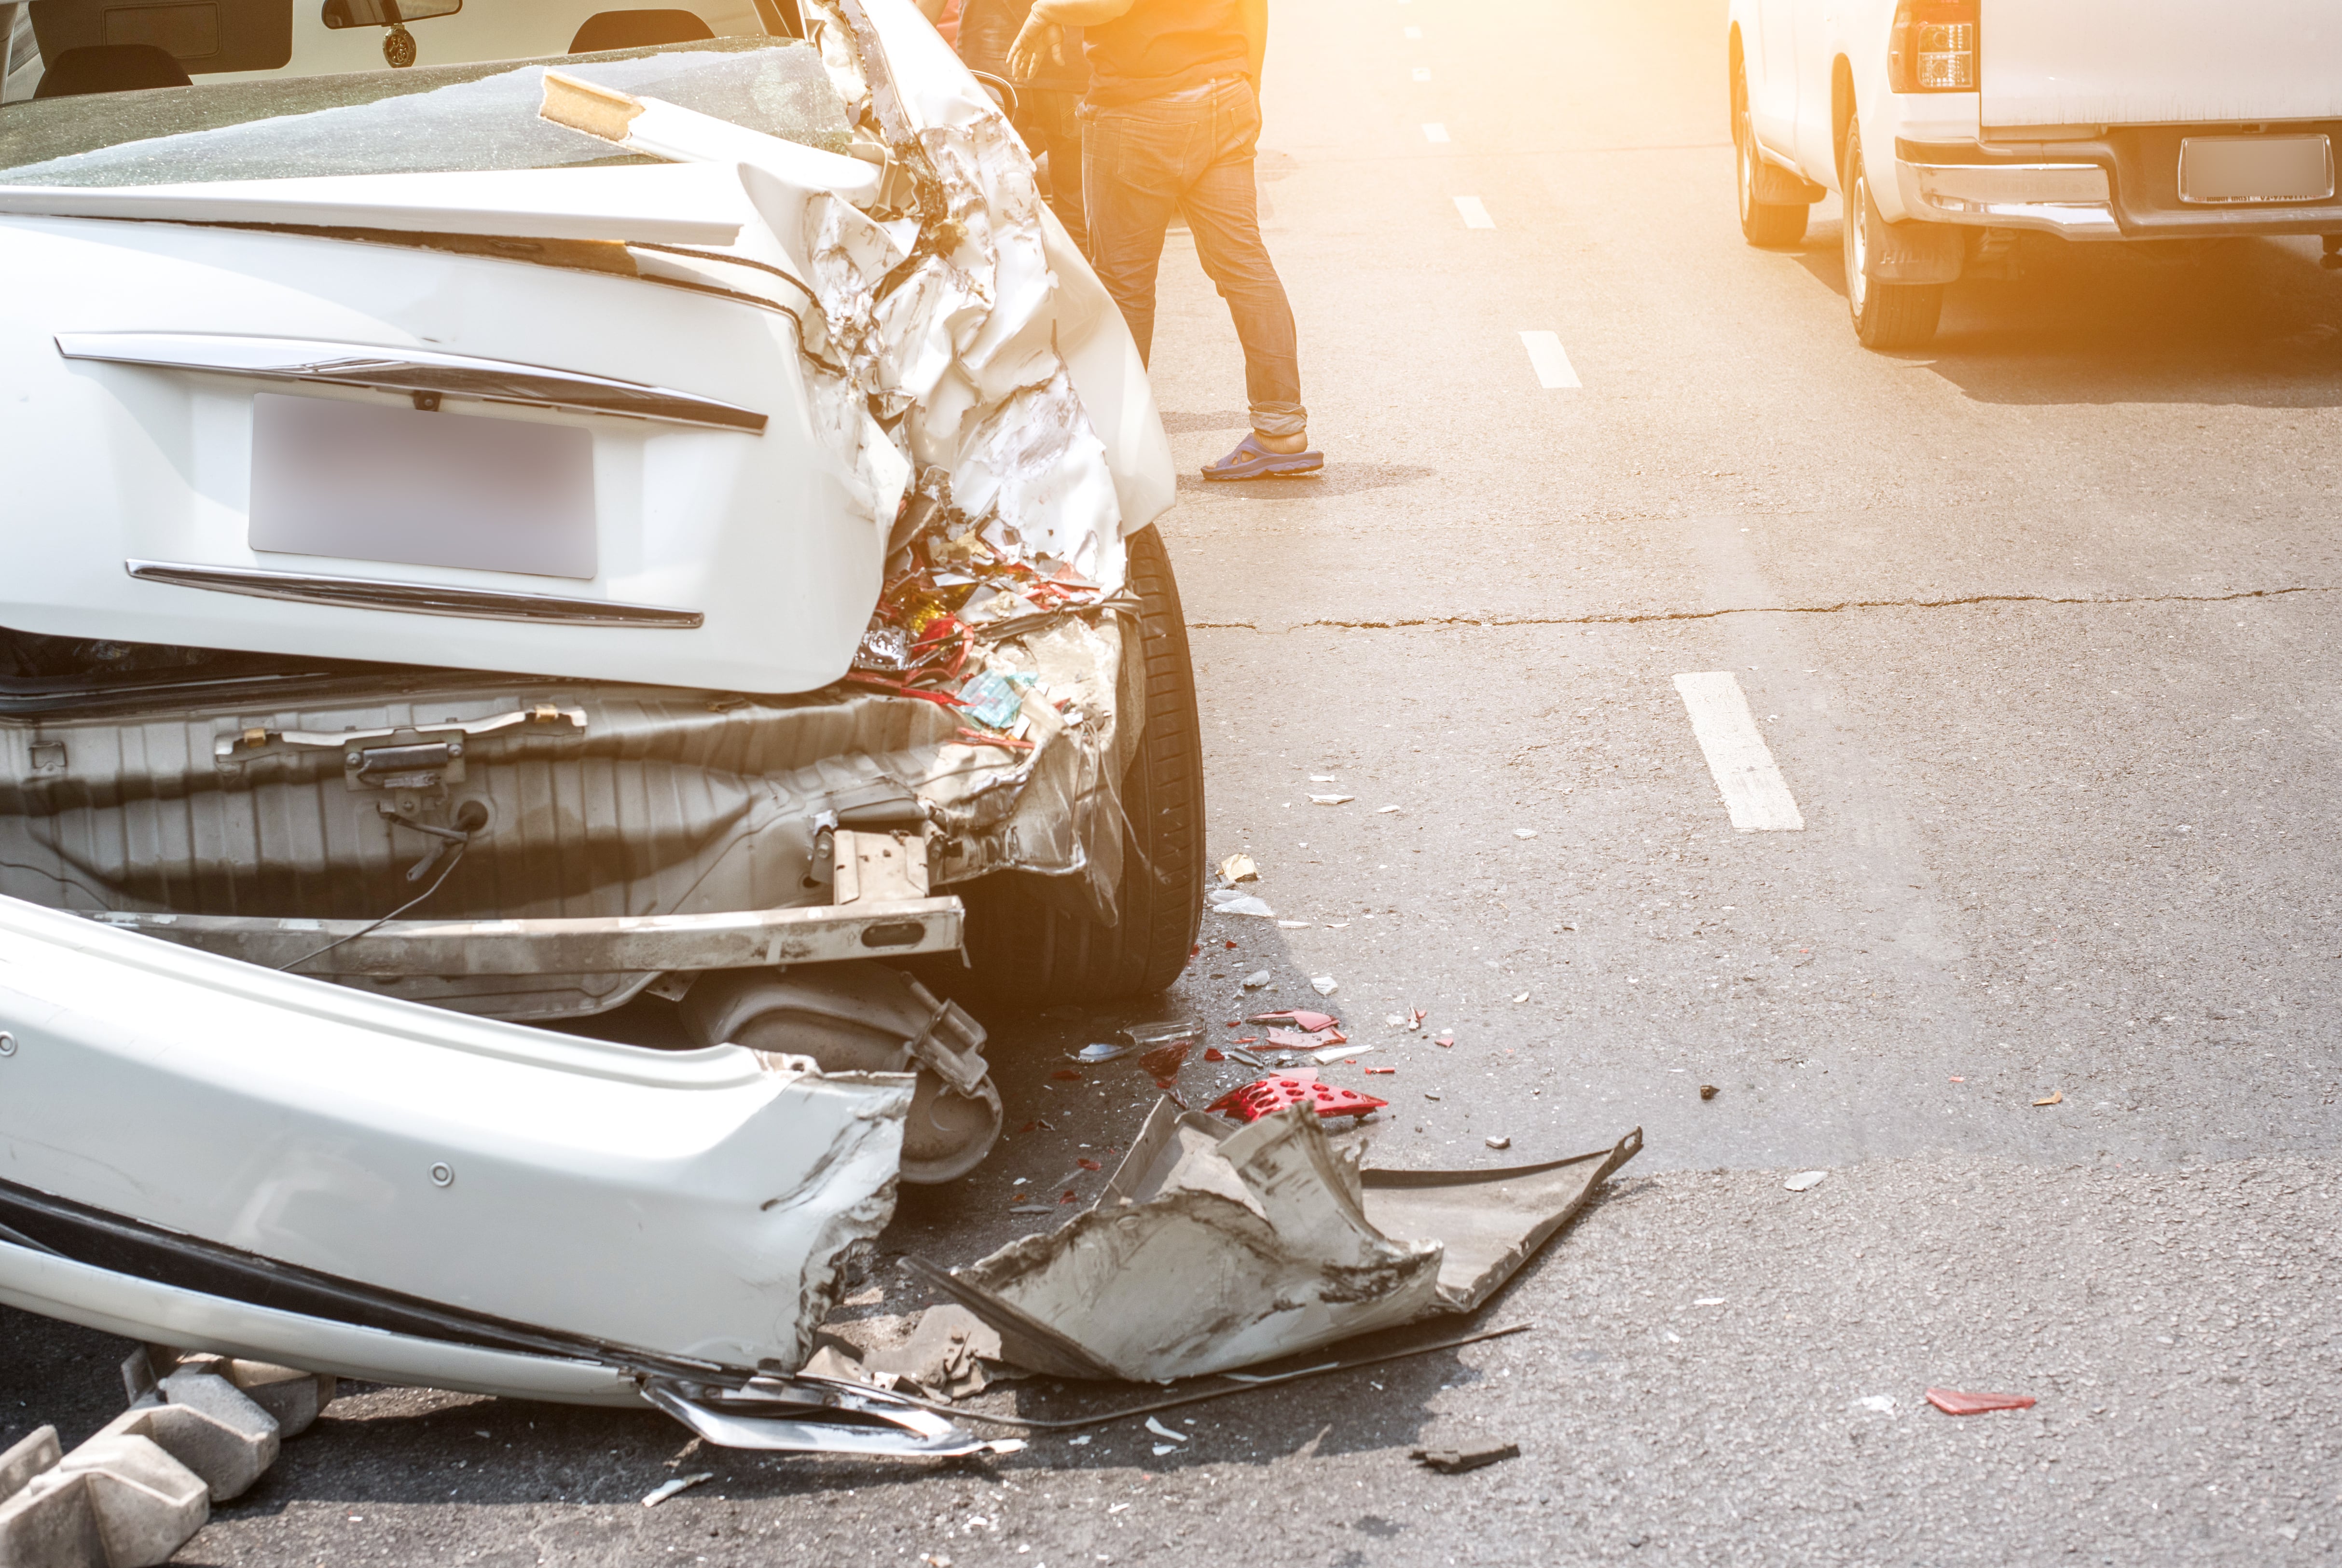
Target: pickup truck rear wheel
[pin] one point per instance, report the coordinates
(1774, 224)
(1885, 315)
(1026, 949)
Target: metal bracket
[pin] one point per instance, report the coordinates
(951, 1044)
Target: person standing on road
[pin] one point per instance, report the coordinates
(1048, 92)
(1172, 117)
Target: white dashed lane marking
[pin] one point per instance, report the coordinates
(1435, 132)
(1475, 216)
(1548, 359)
(1753, 789)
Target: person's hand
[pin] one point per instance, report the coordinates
(1034, 40)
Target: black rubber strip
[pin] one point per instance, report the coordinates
(107, 1241)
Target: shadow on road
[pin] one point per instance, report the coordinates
(2245, 321)
(1338, 477)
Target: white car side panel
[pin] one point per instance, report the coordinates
(2159, 61)
(686, 1202)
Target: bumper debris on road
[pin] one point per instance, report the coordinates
(1216, 1247)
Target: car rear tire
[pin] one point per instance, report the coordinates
(1026, 949)
(1885, 315)
(1771, 225)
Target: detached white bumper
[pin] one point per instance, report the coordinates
(415, 1194)
(2070, 199)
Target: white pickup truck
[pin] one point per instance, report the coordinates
(1948, 125)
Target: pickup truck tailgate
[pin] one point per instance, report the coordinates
(2159, 61)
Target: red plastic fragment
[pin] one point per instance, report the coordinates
(1163, 1062)
(1067, 1075)
(1214, 1054)
(1446, 1038)
(1952, 1402)
(1089, 1164)
(1382, 1069)
(1266, 1097)
(1232, 947)
(1310, 1022)
(1068, 1196)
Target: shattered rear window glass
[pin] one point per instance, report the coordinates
(422, 120)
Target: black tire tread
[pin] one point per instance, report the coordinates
(1026, 948)
(1893, 315)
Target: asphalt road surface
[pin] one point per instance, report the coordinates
(2038, 626)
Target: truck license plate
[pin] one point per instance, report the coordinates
(2219, 170)
(364, 482)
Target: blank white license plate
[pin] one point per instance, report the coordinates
(368, 483)
(2220, 169)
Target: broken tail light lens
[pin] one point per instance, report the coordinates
(1932, 47)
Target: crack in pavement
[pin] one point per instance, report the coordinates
(1844, 605)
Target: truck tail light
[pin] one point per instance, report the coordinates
(1932, 47)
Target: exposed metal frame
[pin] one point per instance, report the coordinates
(411, 371)
(734, 939)
(414, 598)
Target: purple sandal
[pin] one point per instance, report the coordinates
(1251, 460)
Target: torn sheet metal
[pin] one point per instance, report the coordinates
(1216, 1247)
(414, 1176)
(714, 815)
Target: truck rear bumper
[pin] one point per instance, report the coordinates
(2122, 184)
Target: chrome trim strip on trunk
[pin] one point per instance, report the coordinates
(734, 939)
(411, 371)
(414, 598)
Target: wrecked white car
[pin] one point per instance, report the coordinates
(653, 542)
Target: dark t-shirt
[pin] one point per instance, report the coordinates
(1160, 46)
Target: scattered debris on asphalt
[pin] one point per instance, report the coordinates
(2055, 1097)
(1707, 1091)
(1324, 985)
(1228, 900)
(1214, 1246)
(1455, 1460)
(1159, 1429)
(1239, 868)
(1306, 1022)
(1878, 1403)
(1954, 1402)
(1524, 833)
(1257, 979)
(1101, 1053)
(1331, 799)
(1282, 1091)
(1805, 1180)
(666, 1489)
(1496, 1141)
(943, 1352)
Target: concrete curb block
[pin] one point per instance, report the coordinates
(135, 1492)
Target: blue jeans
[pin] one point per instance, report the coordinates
(1193, 150)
